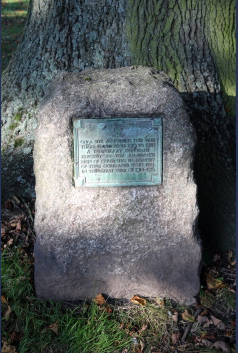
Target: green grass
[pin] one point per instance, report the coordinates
(87, 328)
(47, 327)
(13, 18)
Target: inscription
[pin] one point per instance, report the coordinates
(116, 155)
(117, 152)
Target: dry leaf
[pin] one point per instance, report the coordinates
(204, 312)
(99, 299)
(109, 310)
(202, 319)
(218, 323)
(3, 300)
(175, 316)
(10, 241)
(214, 283)
(54, 327)
(18, 225)
(207, 343)
(6, 348)
(142, 345)
(228, 334)
(176, 337)
(220, 345)
(187, 317)
(143, 328)
(160, 302)
(208, 336)
(7, 312)
(138, 300)
(208, 299)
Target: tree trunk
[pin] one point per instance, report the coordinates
(192, 41)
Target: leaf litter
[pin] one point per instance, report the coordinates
(209, 324)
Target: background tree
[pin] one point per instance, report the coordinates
(192, 41)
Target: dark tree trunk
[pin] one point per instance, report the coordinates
(192, 41)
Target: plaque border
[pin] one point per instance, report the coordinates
(156, 180)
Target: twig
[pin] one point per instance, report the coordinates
(190, 325)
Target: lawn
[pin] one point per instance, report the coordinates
(13, 19)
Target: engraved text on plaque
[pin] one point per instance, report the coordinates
(118, 152)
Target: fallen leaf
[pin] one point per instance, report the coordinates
(109, 310)
(175, 316)
(99, 299)
(142, 345)
(16, 200)
(204, 313)
(7, 312)
(6, 348)
(10, 241)
(214, 283)
(54, 327)
(218, 323)
(202, 319)
(143, 328)
(228, 334)
(18, 225)
(138, 300)
(187, 317)
(220, 345)
(176, 337)
(207, 343)
(3, 300)
(208, 336)
(160, 302)
(208, 299)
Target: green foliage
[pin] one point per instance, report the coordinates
(13, 17)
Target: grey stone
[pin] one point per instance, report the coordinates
(120, 241)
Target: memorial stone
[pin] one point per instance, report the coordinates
(116, 209)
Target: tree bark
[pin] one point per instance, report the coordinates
(192, 41)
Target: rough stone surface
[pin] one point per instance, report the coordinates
(120, 241)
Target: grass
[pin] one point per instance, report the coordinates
(40, 324)
(37, 326)
(13, 18)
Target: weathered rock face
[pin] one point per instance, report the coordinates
(115, 240)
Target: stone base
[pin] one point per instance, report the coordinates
(120, 241)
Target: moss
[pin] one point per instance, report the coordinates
(18, 142)
(87, 79)
(18, 116)
(13, 126)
